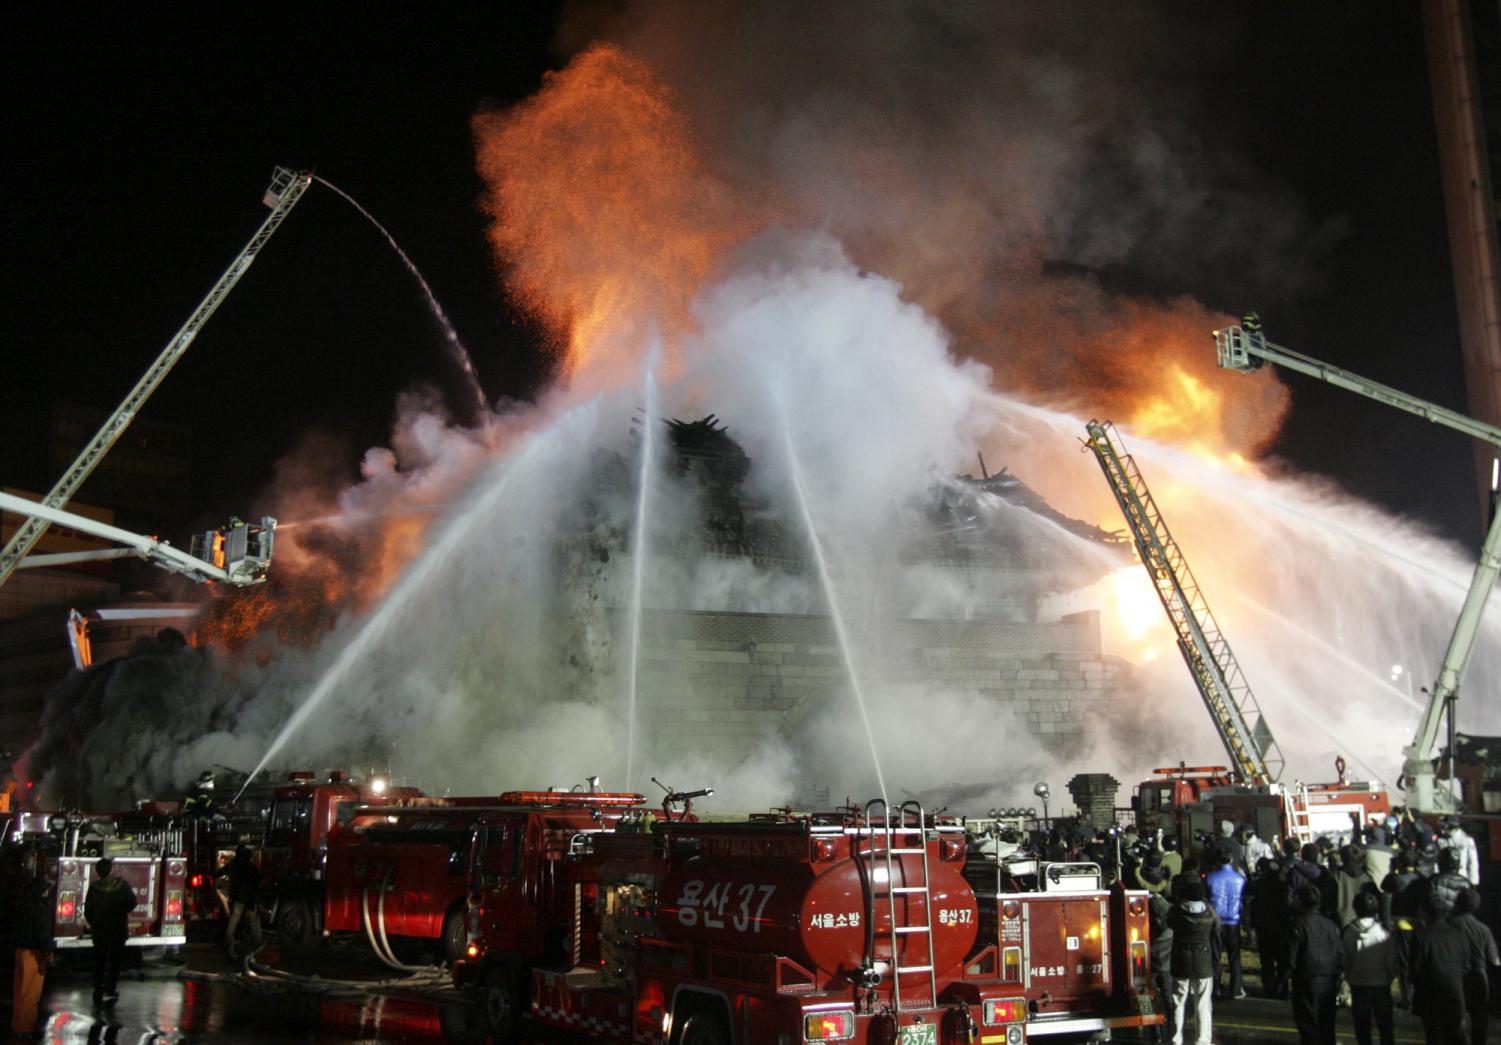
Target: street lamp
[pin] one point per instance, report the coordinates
(1042, 792)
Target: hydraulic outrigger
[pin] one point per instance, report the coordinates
(286, 189)
(1244, 347)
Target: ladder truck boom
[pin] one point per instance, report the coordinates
(1233, 708)
(1244, 347)
(239, 554)
(285, 190)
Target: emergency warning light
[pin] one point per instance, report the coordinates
(1005, 1010)
(829, 1026)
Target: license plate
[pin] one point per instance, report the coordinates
(919, 1034)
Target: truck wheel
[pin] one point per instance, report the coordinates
(455, 935)
(502, 1004)
(294, 924)
(703, 1029)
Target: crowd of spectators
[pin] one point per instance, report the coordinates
(1384, 916)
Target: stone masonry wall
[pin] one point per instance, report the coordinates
(724, 681)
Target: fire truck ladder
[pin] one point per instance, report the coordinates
(898, 843)
(286, 189)
(1232, 706)
(1295, 814)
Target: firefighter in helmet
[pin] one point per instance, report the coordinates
(200, 799)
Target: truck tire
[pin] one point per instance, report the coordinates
(502, 1002)
(295, 926)
(703, 1028)
(455, 936)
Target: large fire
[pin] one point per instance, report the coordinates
(607, 221)
(605, 216)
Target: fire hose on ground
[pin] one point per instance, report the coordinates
(424, 979)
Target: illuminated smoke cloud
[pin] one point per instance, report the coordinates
(868, 239)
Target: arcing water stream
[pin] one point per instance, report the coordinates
(648, 450)
(460, 534)
(831, 595)
(455, 346)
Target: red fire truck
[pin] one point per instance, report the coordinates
(303, 813)
(403, 871)
(1188, 802)
(851, 926)
(1080, 951)
(66, 847)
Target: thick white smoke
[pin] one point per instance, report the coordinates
(970, 175)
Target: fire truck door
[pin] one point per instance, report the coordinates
(499, 874)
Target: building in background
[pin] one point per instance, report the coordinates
(142, 485)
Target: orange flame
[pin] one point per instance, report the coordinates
(604, 216)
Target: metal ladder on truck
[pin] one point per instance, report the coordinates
(1232, 706)
(1295, 814)
(902, 929)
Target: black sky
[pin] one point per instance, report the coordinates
(140, 139)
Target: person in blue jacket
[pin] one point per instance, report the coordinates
(1227, 888)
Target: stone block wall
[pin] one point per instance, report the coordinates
(725, 681)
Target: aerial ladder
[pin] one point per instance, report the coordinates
(286, 189)
(1236, 715)
(1244, 347)
(238, 554)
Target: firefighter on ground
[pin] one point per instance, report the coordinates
(244, 889)
(34, 945)
(107, 908)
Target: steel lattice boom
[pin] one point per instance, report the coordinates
(285, 190)
(1232, 706)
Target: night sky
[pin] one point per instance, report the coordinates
(141, 138)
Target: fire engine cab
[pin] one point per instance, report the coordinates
(303, 812)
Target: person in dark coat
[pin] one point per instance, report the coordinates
(1195, 927)
(1158, 910)
(1441, 955)
(1271, 911)
(1483, 958)
(1448, 884)
(1370, 968)
(1315, 960)
(1302, 868)
(244, 890)
(107, 908)
(34, 946)
(1403, 892)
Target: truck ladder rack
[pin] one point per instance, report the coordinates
(900, 928)
(1232, 706)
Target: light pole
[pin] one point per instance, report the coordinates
(1042, 792)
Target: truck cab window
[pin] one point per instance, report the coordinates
(492, 859)
(290, 817)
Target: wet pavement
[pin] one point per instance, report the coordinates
(197, 998)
